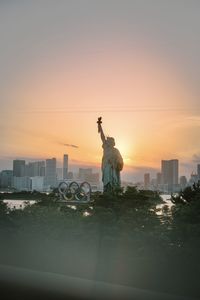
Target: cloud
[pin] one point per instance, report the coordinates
(71, 145)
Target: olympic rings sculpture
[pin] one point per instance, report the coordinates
(74, 192)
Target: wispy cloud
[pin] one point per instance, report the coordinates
(71, 145)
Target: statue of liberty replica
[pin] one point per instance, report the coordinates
(112, 162)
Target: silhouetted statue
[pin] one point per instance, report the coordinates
(112, 162)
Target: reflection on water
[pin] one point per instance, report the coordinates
(18, 204)
(72, 206)
(21, 204)
(167, 203)
(86, 214)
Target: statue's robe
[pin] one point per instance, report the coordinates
(112, 164)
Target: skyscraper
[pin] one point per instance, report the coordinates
(6, 178)
(65, 166)
(18, 168)
(183, 182)
(169, 169)
(198, 171)
(50, 174)
(146, 181)
(36, 168)
(159, 178)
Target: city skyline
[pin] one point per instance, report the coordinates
(35, 165)
(128, 175)
(45, 175)
(66, 64)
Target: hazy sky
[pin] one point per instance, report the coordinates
(135, 63)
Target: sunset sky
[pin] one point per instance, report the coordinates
(135, 63)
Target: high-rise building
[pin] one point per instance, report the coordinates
(18, 168)
(65, 166)
(22, 183)
(50, 173)
(193, 178)
(37, 183)
(6, 178)
(169, 170)
(198, 171)
(159, 178)
(146, 181)
(86, 174)
(183, 182)
(59, 173)
(36, 168)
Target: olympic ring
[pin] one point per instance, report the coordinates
(63, 186)
(74, 192)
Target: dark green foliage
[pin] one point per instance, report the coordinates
(187, 205)
(3, 208)
(121, 226)
(111, 212)
(25, 195)
(189, 194)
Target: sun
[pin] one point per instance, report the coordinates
(126, 150)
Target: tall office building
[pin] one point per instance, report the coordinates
(183, 182)
(86, 174)
(50, 173)
(36, 168)
(59, 173)
(65, 166)
(146, 181)
(198, 171)
(193, 178)
(37, 183)
(22, 183)
(18, 168)
(169, 169)
(159, 178)
(6, 178)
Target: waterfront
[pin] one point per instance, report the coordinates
(18, 204)
(166, 204)
(21, 204)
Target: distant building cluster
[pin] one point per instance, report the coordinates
(168, 180)
(43, 175)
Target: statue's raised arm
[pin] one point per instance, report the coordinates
(100, 130)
